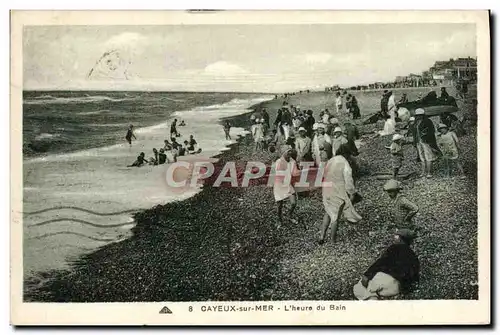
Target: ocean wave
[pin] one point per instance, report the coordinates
(75, 100)
(94, 112)
(46, 136)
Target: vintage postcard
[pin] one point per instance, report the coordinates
(250, 167)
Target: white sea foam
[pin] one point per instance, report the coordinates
(98, 179)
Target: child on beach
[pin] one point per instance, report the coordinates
(227, 128)
(154, 160)
(192, 145)
(258, 134)
(140, 161)
(403, 209)
(448, 143)
(396, 149)
(130, 134)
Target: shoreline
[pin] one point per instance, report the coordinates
(229, 250)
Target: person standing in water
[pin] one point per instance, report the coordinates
(130, 134)
(173, 129)
(227, 128)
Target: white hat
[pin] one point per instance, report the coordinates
(315, 126)
(419, 111)
(337, 130)
(321, 125)
(252, 117)
(257, 120)
(334, 120)
(302, 129)
(412, 118)
(396, 137)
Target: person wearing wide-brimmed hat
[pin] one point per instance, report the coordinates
(285, 170)
(393, 272)
(427, 148)
(338, 139)
(338, 193)
(303, 146)
(321, 145)
(448, 143)
(403, 210)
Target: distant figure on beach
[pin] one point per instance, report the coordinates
(283, 189)
(332, 124)
(393, 272)
(403, 99)
(286, 122)
(130, 134)
(338, 103)
(278, 120)
(265, 117)
(352, 106)
(427, 148)
(183, 149)
(321, 143)
(227, 128)
(173, 129)
(303, 146)
(448, 143)
(154, 160)
(403, 210)
(182, 124)
(162, 157)
(412, 132)
(339, 194)
(397, 157)
(258, 134)
(325, 116)
(175, 148)
(309, 123)
(140, 161)
(384, 110)
(192, 144)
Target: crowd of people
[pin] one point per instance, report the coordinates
(330, 145)
(169, 151)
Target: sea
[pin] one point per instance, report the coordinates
(78, 193)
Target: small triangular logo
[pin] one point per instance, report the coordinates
(165, 310)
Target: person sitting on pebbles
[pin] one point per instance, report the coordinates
(403, 209)
(448, 144)
(393, 272)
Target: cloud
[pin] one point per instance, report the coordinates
(317, 58)
(127, 39)
(223, 68)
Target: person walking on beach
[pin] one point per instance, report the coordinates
(227, 128)
(352, 106)
(173, 129)
(412, 132)
(384, 104)
(403, 210)
(130, 134)
(393, 272)
(286, 169)
(338, 103)
(321, 143)
(448, 143)
(338, 194)
(303, 146)
(426, 141)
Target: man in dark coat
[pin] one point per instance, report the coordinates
(427, 148)
(393, 272)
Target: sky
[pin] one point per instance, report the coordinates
(245, 58)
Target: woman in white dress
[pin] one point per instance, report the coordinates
(321, 143)
(338, 193)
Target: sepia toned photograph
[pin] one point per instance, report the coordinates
(242, 167)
